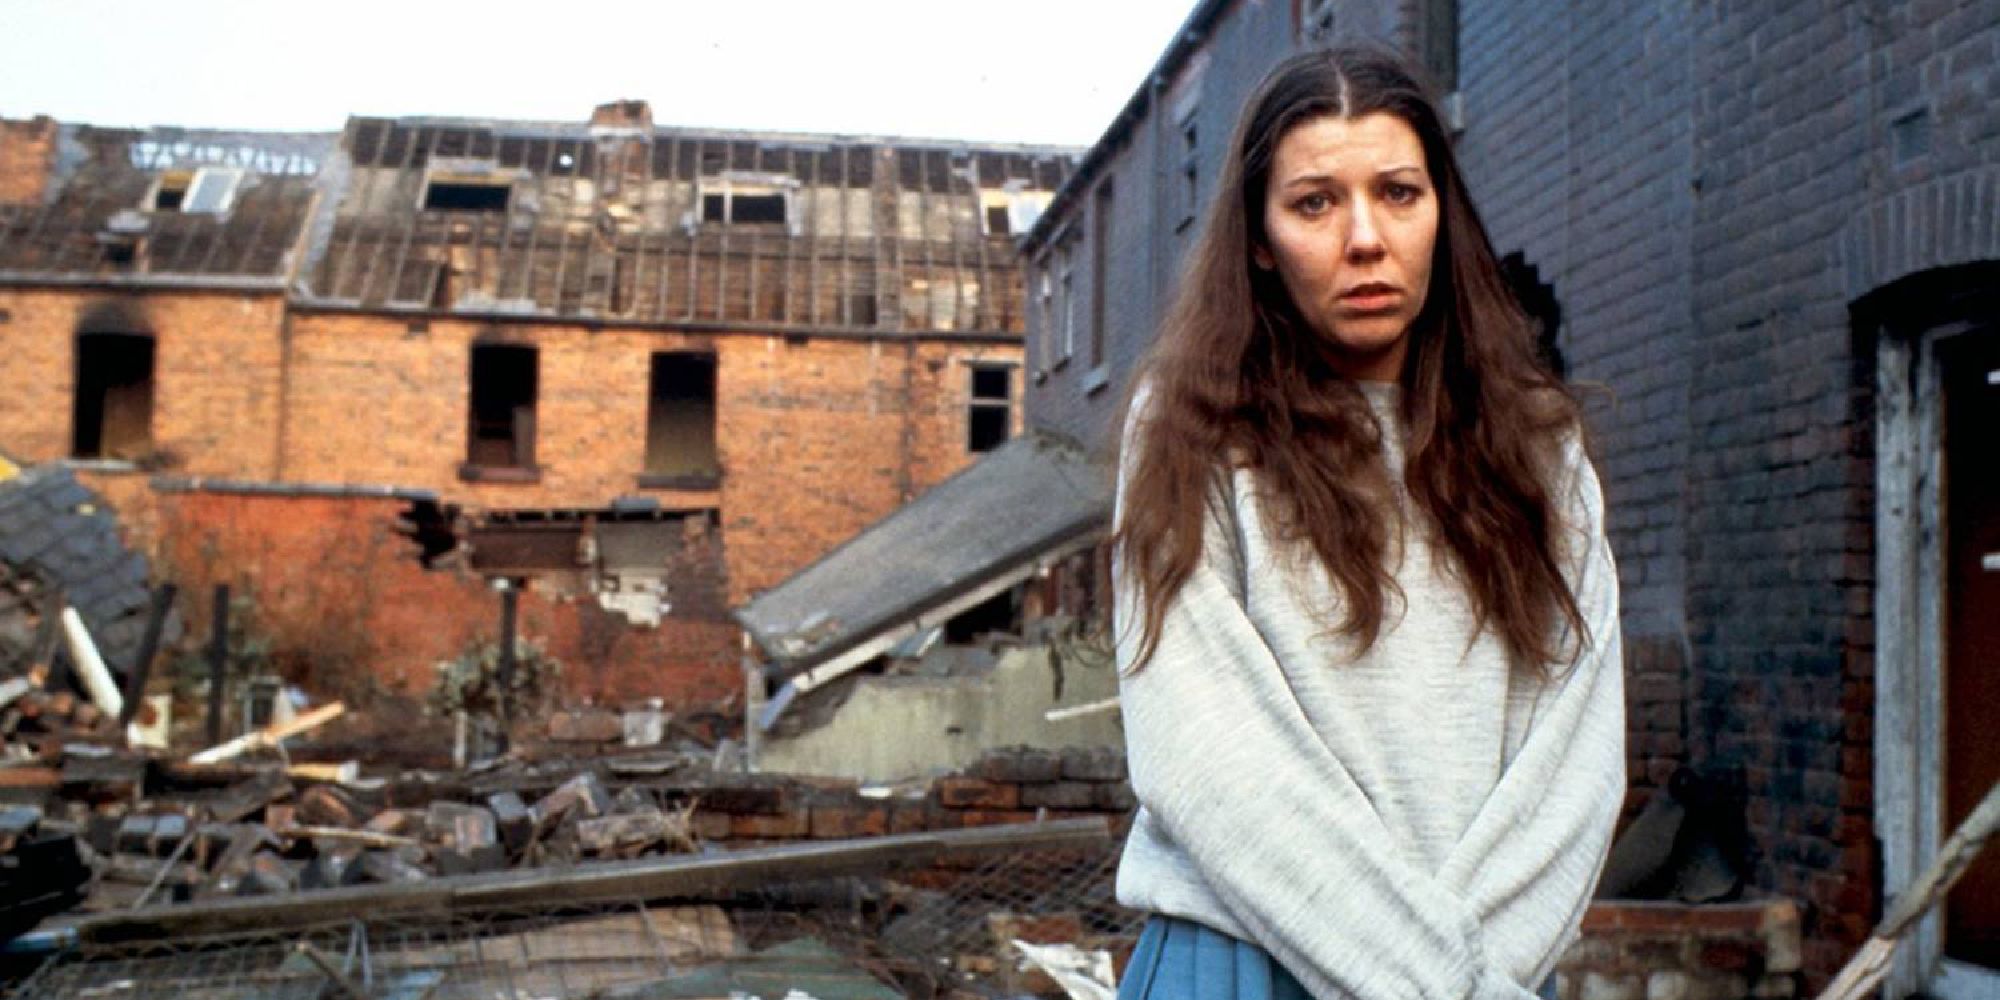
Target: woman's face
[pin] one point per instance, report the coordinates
(1350, 220)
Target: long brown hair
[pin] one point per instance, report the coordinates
(1235, 380)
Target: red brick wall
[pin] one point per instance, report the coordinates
(817, 438)
(343, 598)
(216, 374)
(27, 152)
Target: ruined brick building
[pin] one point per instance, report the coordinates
(1772, 233)
(647, 371)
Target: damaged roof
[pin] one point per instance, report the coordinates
(1022, 501)
(613, 220)
(621, 220)
(153, 206)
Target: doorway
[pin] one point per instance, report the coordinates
(1937, 539)
(1970, 365)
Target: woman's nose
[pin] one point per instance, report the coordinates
(1364, 237)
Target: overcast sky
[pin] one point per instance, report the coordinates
(1052, 71)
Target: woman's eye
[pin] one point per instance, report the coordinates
(1401, 194)
(1314, 203)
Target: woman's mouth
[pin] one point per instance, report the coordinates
(1370, 297)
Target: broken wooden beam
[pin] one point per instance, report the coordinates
(270, 736)
(688, 877)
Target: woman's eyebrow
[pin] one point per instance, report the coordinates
(1314, 179)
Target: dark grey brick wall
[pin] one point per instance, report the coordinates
(1709, 187)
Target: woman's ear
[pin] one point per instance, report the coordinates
(1262, 257)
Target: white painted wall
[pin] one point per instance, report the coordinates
(893, 728)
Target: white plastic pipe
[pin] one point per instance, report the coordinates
(90, 666)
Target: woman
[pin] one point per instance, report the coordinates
(1367, 619)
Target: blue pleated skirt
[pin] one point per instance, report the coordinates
(1179, 959)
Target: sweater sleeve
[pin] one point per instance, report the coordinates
(1344, 910)
(1530, 859)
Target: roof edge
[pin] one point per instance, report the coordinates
(1187, 40)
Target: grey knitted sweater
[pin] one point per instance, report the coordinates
(1414, 820)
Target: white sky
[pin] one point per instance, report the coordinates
(1043, 71)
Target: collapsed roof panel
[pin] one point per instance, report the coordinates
(621, 220)
(1025, 500)
(159, 204)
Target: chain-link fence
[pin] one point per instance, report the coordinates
(943, 931)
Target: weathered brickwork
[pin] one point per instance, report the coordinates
(817, 437)
(342, 598)
(216, 373)
(27, 148)
(1709, 189)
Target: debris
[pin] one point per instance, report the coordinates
(270, 736)
(1082, 975)
(626, 834)
(327, 805)
(1864, 972)
(341, 983)
(368, 838)
(515, 822)
(646, 727)
(1077, 711)
(686, 877)
(341, 774)
(41, 872)
(588, 725)
(83, 655)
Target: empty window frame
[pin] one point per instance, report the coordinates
(170, 191)
(1190, 186)
(203, 191)
(459, 195)
(112, 415)
(1045, 315)
(1100, 269)
(1010, 212)
(680, 422)
(989, 414)
(736, 204)
(502, 432)
(1316, 20)
(1440, 43)
(1065, 297)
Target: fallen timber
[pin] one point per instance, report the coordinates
(684, 877)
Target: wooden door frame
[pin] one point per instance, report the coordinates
(1909, 647)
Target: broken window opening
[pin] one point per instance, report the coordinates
(171, 190)
(466, 196)
(999, 613)
(113, 406)
(502, 434)
(760, 204)
(989, 417)
(206, 191)
(757, 208)
(680, 423)
(1100, 270)
(1190, 175)
(998, 221)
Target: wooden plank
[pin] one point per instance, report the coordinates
(687, 877)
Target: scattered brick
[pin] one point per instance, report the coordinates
(1059, 795)
(1093, 764)
(977, 793)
